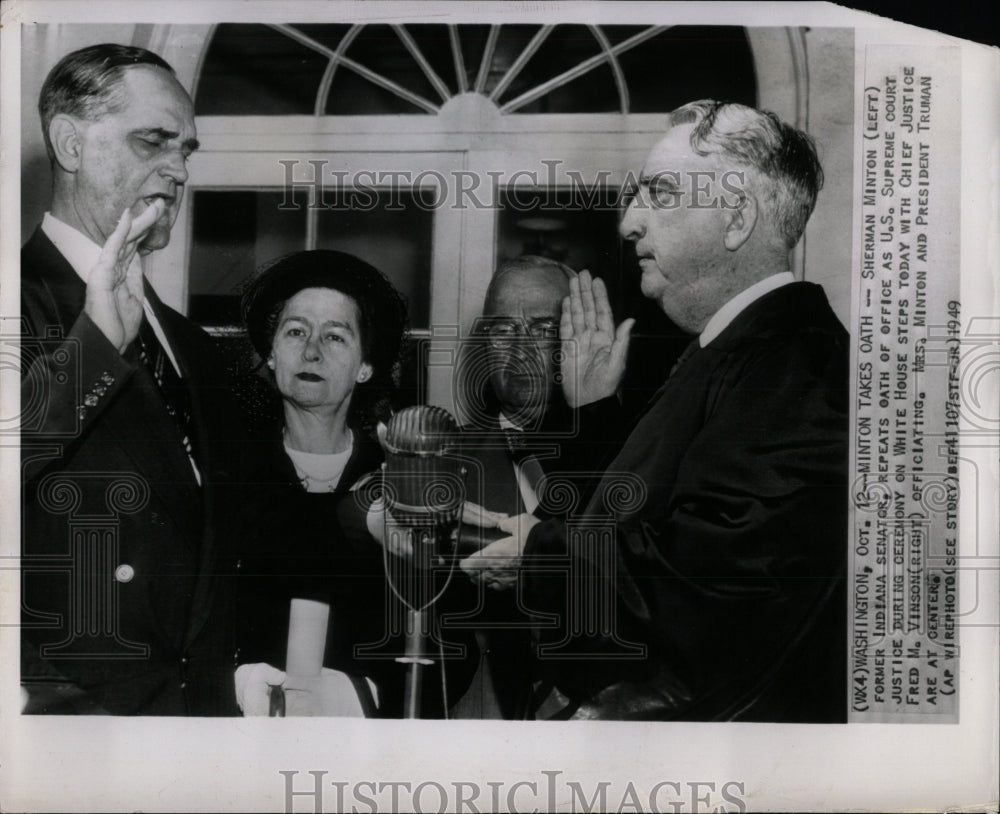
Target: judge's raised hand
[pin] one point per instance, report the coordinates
(114, 287)
(593, 351)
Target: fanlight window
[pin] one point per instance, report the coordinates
(341, 69)
(591, 95)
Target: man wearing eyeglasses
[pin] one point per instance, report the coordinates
(521, 326)
(521, 434)
(514, 390)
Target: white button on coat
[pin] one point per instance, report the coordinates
(124, 573)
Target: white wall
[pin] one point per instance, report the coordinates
(828, 249)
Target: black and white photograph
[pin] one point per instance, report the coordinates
(538, 406)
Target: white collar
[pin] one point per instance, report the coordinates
(507, 424)
(319, 471)
(728, 312)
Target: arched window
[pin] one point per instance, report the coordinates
(345, 70)
(290, 116)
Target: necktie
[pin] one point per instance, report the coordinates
(175, 393)
(526, 462)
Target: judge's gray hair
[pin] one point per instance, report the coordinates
(783, 166)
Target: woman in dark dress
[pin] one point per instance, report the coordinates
(329, 328)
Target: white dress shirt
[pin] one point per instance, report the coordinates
(732, 309)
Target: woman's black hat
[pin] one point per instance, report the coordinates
(382, 310)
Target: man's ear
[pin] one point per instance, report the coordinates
(741, 218)
(67, 141)
(364, 373)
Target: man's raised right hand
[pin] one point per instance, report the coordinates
(114, 288)
(593, 350)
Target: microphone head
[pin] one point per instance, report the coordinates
(423, 484)
(419, 430)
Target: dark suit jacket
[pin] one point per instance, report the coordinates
(728, 564)
(566, 443)
(313, 546)
(127, 586)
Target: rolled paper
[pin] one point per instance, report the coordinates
(307, 624)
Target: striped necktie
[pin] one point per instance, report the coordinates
(176, 395)
(527, 463)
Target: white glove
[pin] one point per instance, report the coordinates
(330, 694)
(252, 681)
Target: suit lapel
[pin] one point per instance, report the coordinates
(208, 454)
(203, 381)
(142, 423)
(143, 414)
(136, 427)
(41, 260)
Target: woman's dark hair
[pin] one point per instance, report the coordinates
(381, 314)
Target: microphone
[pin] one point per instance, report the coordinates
(423, 485)
(424, 490)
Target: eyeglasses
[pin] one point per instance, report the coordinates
(502, 333)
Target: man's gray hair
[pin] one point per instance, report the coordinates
(781, 159)
(526, 262)
(87, 83)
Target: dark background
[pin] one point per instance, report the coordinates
(969, 19)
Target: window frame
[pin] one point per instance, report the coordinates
(468, 135)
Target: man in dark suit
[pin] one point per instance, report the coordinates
(518, 418)
(521, 429)
(129, 428)
(515, 400)
(522, 437)
(724, 565)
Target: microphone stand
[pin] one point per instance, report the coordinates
(427, 508)
(415, 656)
(426, 536)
